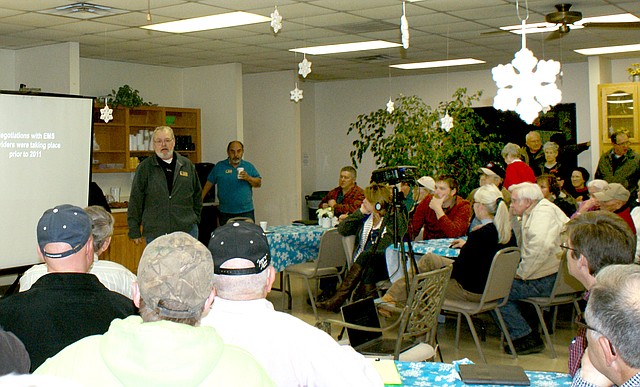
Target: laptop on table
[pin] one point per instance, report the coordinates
(363, 312)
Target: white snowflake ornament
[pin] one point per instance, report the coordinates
(304, 67)
(390, 106)
(526, 85)
(404, 28)
(276, 20)
(446, 122)
(296, 94)
(106, 113)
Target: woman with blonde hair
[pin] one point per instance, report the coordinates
(471, 268)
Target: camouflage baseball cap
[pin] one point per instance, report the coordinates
(175, 275)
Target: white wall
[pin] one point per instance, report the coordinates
(337, 105)
(54, 68)
(217, 91)
(8, 73)
(272, 138)
(156, 84)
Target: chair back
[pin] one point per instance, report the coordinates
(349, 244)
(331, 252)
(501, 274)
(565, 283)
(420, 315)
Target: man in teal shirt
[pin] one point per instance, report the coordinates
(236, 179)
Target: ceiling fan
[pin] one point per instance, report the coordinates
(565, 19)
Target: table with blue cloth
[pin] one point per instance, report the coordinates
(290, 245)
(444, 374)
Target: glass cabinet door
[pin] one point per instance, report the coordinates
(620, 111)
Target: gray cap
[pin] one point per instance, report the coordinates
(613, 191)
(175, 275)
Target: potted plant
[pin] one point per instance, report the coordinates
(634, 72)
(325, 216)
(415, 134)
(128, 97)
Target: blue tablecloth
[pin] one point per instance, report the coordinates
(290, 244)
(436, 246)
(444, 374)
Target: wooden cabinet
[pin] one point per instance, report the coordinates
(116, 152)
(619, 110)
(122, 249)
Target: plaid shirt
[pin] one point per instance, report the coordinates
(578, 344)
(579, 382)
(351, 201)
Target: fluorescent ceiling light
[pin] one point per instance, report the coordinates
(535, 28)
(212, 22)
(346, 47)
(437, 63)
(608, 50)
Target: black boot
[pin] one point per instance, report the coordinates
(344, 290)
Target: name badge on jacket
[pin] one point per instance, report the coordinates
(184, 173)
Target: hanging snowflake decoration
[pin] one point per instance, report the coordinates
(390, 106)
(446, 122)
(276, 20)
(304, 67)
(106, 113)
(296, 94)
(526, 85)
(404, 28)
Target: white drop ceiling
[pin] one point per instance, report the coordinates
(440, 29)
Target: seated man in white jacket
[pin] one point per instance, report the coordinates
(292, 352)
(538, 227)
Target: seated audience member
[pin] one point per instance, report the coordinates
(13, 355)
(612, 320)
(538, 231)
(67, 304)
(374, 232)
(552, 192)
(471, 268)
(614, 199)
(551, 165)
(112, 275)
(517, 171)
(594, 240)
(293, 352)
(491, 173)
(347, 196)
(621, 164)
(591, 204)
(578, 187)
(443, 215)
(635, 215)
(164, 346)
(414, 194)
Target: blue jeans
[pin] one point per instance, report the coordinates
(516, 324)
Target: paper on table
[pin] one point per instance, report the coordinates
(387, 370)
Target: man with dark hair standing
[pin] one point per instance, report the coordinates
(444, 214)
(165, 195)
(347, 196)
(68, 303)
(236, 178)
(612, 320)
(595, 240)
(621, 164)
(164, 346)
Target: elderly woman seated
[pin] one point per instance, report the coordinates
(552, 192)
(372, 224)
(471, 268)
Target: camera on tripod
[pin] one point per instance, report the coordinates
(394, 175)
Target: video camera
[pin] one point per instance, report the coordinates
(394, 175)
